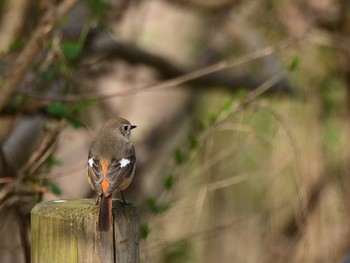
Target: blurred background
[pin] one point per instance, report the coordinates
(242, 113)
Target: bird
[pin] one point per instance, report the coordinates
(111, 165)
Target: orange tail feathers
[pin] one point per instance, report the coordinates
(105, 213)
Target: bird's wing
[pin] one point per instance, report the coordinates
(95, 174)
(118, 171)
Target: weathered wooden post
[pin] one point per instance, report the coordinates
(66, 231)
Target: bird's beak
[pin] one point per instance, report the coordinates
(133, 127)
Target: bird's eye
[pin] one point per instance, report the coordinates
(126, 127)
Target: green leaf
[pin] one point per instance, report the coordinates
(97, 8)
(16, 44)
(228, 104)
(144, 231)
(169, 181)
(180, 156)
(69, 111)
(58, 109)
(209, 120)
(81, 105)
(71, 50)
(52, 161)
(76, 124)
(54, 188)
(192, 141)
(151, 203)
(241, 94)
(155, 207)
(212, 118)
(294, 63)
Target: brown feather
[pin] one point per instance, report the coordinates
(107, 170)
(105, 213)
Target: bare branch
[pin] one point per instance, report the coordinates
(36, 160)
(61, 173)
(17, 71)
(194, 75)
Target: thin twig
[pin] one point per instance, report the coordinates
(36, 159)
(6, 180)
(297, 155)
(223, 65)
(263, 88)
(19, 68)
(41, 189)
(65, 172)
(219, 184)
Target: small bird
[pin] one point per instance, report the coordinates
(111, 165)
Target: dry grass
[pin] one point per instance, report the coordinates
(250, 176)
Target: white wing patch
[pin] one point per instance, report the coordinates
(124, 162)
(91, 162)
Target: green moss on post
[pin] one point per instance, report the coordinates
(66, 231)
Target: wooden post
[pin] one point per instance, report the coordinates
(66, 231)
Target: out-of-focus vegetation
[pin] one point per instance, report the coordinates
(246, 161)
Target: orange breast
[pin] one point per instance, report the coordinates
(105, 183)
